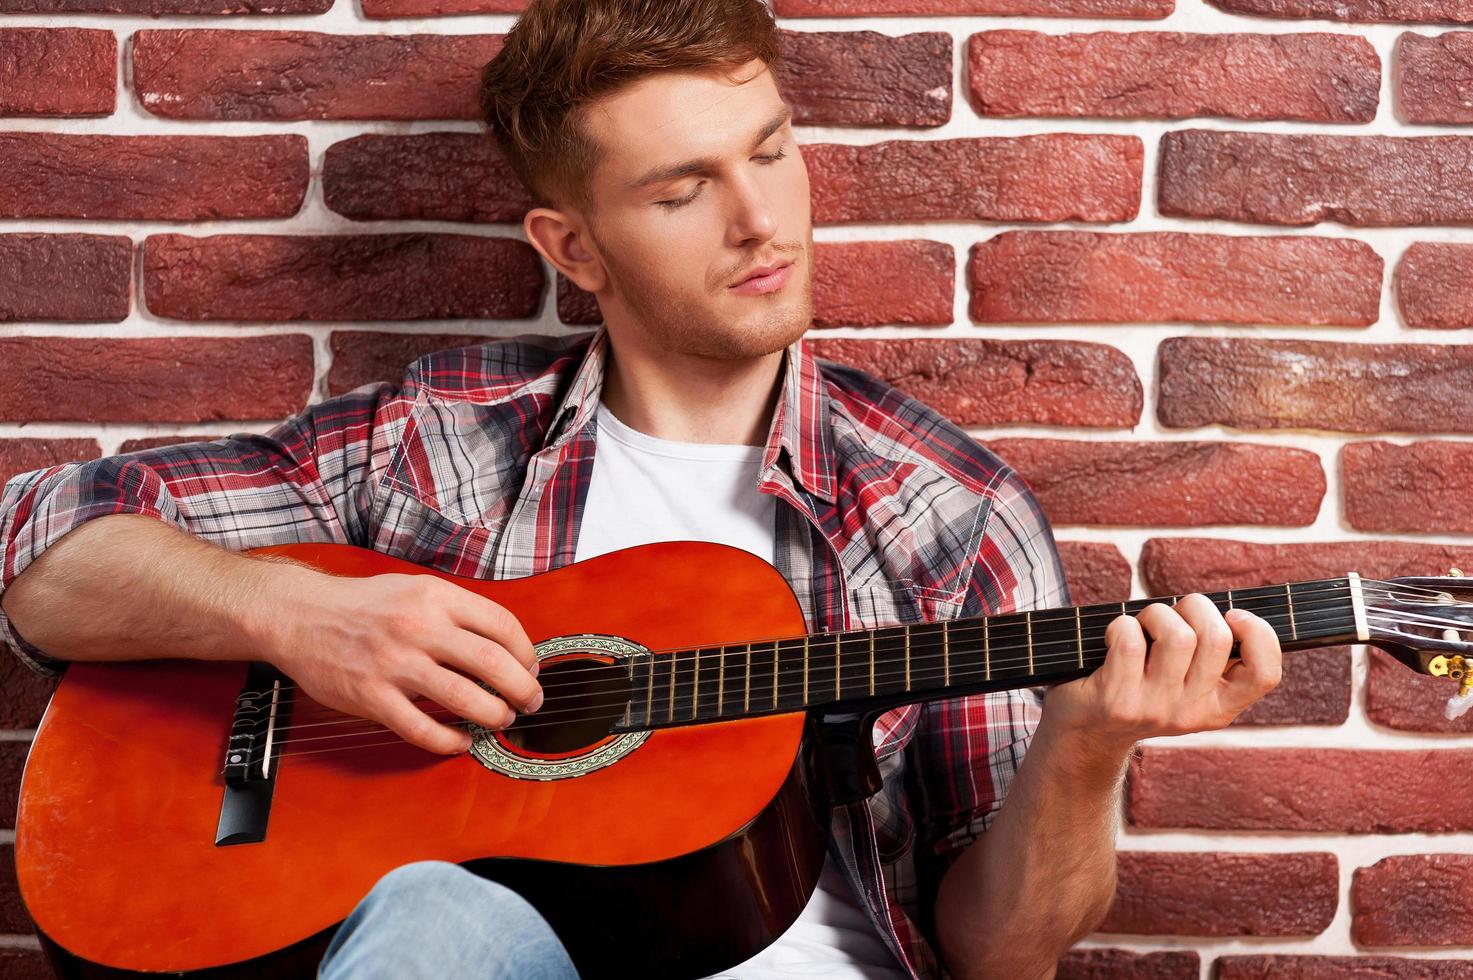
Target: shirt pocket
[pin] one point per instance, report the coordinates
(409, 528)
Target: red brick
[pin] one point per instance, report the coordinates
(1175, 566)
(12, 764)
(1413, 900)
(1420, 487)
(1084, 276)
(1314, 690)
(434, 8)
(154, 442)
(990, 382)
(1430, 74)
(1051, 177)
(1173, 75)
(1356, 791)
(1363, 11)
(26, 693)
(161, 379)
(360, 356)
(957, 8)
(158, 8)
(1277, 967)
(1122, 964)
(58, 71)
(1408, 701)
(864, 78)
(1185, 484)
(408, 276)
(1096, 572)
(65, 277)
(13, 917)
(431, 176)
(20, 455)
(1434, 285)
(231, 74)
(24, 964)
(855, 284)
(1292, 179)
(161, 178)
(1311, 384)
(1184, 893)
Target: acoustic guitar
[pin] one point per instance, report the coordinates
(666, 809)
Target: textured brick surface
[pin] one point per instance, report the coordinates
(339, 277)
(434, 8)
(13, 917)
(24, 964)
(1122, 964)
(1357, 791)
(1051, 177)
(1034, 8)
(26, 693)
(864, 78)
(235, 74)
(1403, 699)
(1432, 77)
(156, 8)
(1276, 967)
(434, 176)
(65, 277)
(164, 379)
(988, 382)
(1172, 566)
(1407, 11)
(12, 764)
(1095, 572)
(360, 356)
(1278, 384)
(1314, 689)
(1293, 179)
(1434, 285)
(57, 71)
(1188, 893)
(19, 455)
(1413, 900)
(1081, 276)
(1173, 75)
(165, 178)
(1419, 487)
(1182, 484)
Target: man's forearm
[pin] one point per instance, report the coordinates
(1043, 874)
(129, 587)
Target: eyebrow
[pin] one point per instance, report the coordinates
(661, 174)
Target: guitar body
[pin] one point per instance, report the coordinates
(687, 854)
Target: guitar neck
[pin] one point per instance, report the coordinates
(895, 665)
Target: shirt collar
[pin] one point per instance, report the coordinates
(800, 423)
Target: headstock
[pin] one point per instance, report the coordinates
(1426, 622)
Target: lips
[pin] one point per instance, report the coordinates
(762, 270)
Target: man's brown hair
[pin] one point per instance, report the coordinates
(560, 55)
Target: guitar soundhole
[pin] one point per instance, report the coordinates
(582, 695)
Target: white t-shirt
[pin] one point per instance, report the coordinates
(646, 489)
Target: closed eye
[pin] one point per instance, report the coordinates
(671, 205)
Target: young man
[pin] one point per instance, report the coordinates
(660, 153)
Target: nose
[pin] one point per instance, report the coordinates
(752, 217)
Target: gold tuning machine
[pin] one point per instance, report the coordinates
(1454, 668)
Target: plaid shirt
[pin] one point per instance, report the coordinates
(478, 462)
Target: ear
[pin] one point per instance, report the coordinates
(563, 240)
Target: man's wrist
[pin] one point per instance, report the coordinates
(264, 620)
(1082, 756)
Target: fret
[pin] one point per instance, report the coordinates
(946, 652)
(852, 683)
(792, 669)
(871, 663)
(734, 662)
(805, 670)
(1028, 627)
(1230, 598)
(747, 692)
(760, 681)
(1079, 635)
(774, 673)
(708, 683)
(674, 659)
(986, 653)
(1011, 633)
(649, 695)
(720, 681)
(695, 684)
(820, 682)
(907, 656)
(1289, 593)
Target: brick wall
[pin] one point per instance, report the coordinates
(1194, 268)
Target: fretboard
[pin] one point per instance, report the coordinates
(896, 665)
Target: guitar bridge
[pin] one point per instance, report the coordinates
(250, 757)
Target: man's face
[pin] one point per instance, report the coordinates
(701, 182)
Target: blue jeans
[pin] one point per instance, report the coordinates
(433, 920)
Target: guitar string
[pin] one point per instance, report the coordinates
(923, 673)
(926, 646)
(957, 628)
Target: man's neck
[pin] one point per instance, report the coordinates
(694, 399)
